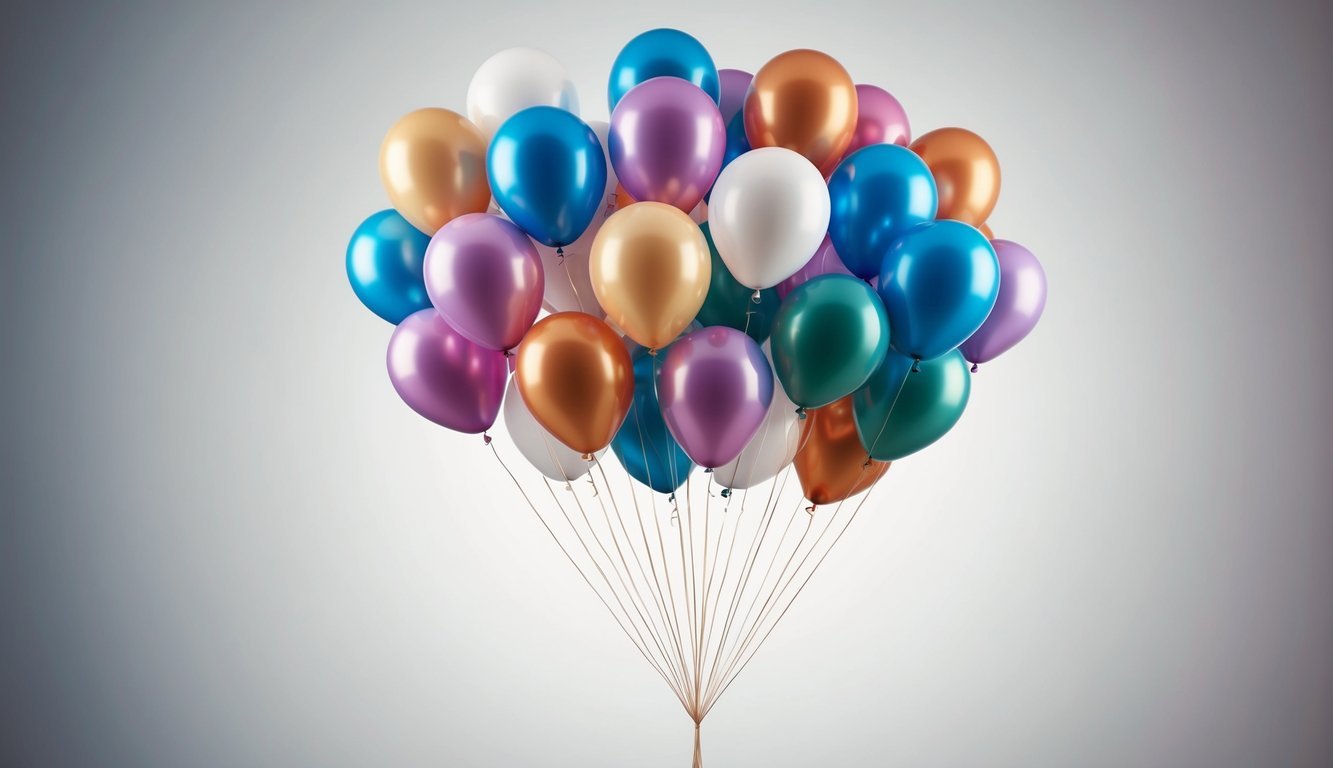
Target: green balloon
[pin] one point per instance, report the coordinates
(728, 302)
(830, 335)
(903, 412)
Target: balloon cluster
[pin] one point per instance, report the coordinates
(715, 213)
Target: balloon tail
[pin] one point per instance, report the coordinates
(916, 365)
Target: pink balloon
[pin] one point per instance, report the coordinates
(825, 262)
(445, 377)
(880, 119)
(667, 142)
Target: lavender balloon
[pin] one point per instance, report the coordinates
(1017, 309)
(734, 83)
(880, 119)
(484, 276)
(825, 262)
(667, 142)
(444, 376)
(714, 388)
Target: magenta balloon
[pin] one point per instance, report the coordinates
(825, 262)
(484, 276)
(880, 119)
(667, 142)
(1017, 309)
(444, 376)
(735, 83)
(714, 388)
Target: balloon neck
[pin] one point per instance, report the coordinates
(916, 364)
(586, 457)
(726, 493)
(800, 413)
(652, 352)
(485, 439)
(974, 367)
(708, 470)
(756, 297)
(508, 353)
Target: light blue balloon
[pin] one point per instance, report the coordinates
(384, 260)
(662, 53)
(547, 173)
(877, 194)
(643, 444)
(938, 283)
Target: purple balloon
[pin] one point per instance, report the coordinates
(484, 276)
(1017, 309)
(444, 376)
(735, 83)
(667, 142)
(825, 262)
(880, 119)
(714, 388)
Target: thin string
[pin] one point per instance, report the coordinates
(560, 254)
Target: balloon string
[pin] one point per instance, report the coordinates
(578, 299)
(892, 404)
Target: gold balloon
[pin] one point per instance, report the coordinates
(433, 165)
(650, 269)
(985, 230)
(966, 172)
(576, 378)
(805, 101)
(831, 464)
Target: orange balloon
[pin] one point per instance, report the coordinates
(623, 200)
(831, 464)
(967, 174)
(433, 165)
(985, 230)
(576, 378)
(804, 101)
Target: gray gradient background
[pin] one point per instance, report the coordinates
(226, 543)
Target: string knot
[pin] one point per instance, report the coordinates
(560, 255)
(485, 439)
(916, 364)
(974, 367)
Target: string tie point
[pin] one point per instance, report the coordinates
(810, 510)
(726, 493)
(560, 255)
(756, 297)
(586, 457)
(974, 367)
(652, 352)
(800, 413)
(916, 364)
(485, 439)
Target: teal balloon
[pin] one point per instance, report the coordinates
(384, 266)
(829, 336)
(643, 444)
(662, 53)
(731, 304)
(899, 412)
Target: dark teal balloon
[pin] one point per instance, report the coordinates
(899, 412)
(731, 304)
(662, 53)
(938, 283)
(643, 444)
(547, 173)
(384, 261)
(830, 334)
(876, 194)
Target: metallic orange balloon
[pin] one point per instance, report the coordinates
(831, 464)
(623, 200)
(805, 101)
(433, 165)
(967, 174)
(650, 267)
(985, 230)
(576, 378)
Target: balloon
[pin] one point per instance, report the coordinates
(667, 142)
(805, 101)
(384, 266)
(485, 278)
(899, 412)
(548, 174)
(548, 455)
(877, 193)
(985, 230)
(513, 80)
(643, 444)
(637, 350)
(433, 165)
(662, 53)
(650, 271)
(1018, 305)
(829, 336)
(737, 145)
(966, 172)
(714, 387)
(773, 448)
(731, 304)
(880, 119)
(734, 83)
(825, 262)
(831, 464)
(443, 376)
(768, 213)
(938, 284)
(576, 378)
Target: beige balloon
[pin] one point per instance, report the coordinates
(433, 165)
(650, 270)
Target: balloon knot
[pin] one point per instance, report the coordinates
(653, 352)
(485, 439)
(560, 255)
(916, 364)
(756, 297)
(509, 353)
(708, 470)
(586, 457)
(867, 464)
(726, 493)
(974, 367)
(810, 510)
(800, 413)
(671, 499)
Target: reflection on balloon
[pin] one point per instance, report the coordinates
(878, 193)
(966, 173)
(899, 412)
(667, 142)
(384, 260)
(433, 165)
(1018, 306)
(443, 376)
(829, 336)
(803, 100)
(513, 80)
(662, 53)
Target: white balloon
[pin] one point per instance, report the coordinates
(773, 447)
(768, 213)
(542, 450)
(513, 80)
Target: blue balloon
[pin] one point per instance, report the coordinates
(643, 444)
(877, 194)
(938, 283)
(547, 173)
(737, 144)
(384, 261)
(662, 53)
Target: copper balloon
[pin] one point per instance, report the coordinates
(831, 464)
(805, 101)
(623, 200)
(986, 230)
(650, 268)
(576, 378)
(967, 175)
(433, 165)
